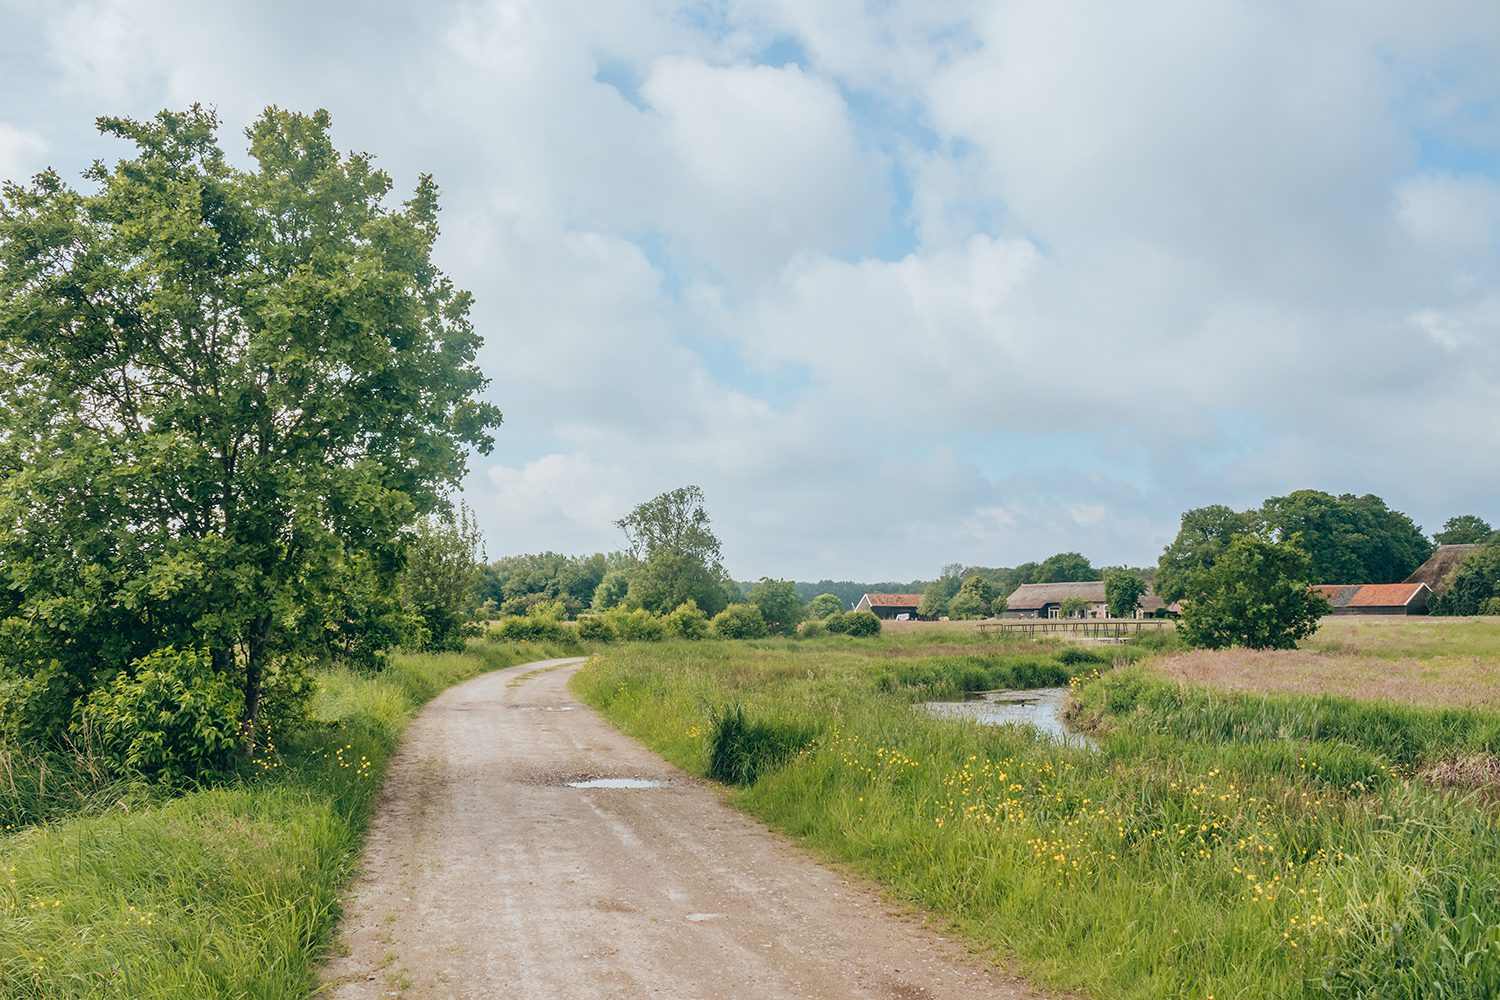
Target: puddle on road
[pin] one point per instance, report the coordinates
(616, 783)
(1040, 708)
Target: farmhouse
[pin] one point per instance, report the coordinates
(1377, 598)
(890, 605)
(1045, 600)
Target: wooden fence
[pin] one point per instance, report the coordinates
(1083, 628)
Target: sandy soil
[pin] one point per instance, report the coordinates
(487, 876)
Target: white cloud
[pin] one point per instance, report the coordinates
(21, 152)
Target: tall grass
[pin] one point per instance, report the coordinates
(1181, 859)
(223, 892)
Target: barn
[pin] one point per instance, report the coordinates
(1437, 572)
(1045, 600)
(890, 605)
(1377, 598)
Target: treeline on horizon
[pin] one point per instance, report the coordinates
(1347, 538)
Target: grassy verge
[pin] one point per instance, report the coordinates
(1181, 859)
(225, 892)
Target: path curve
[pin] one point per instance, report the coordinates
(487, 876)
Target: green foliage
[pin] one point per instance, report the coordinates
(1464, 529)
(822, 606)
(741, 621)
(1203, 536)
(814, 627)
(1065, 567)
(1349, 539)
(171, 718)
(972, 600)
(1256, 594)
(686, 621)
(1123, 591)
(440, 582)
(1074, 607)
(515, 581)
(611, 590)
(934, 600)
(595, 628)
(635, 624)
(1474, 584)
(669, 577)
(779, 605)
(742, 750)
(1490, 606)
(855, 623)
(221, 385)
(544, 623)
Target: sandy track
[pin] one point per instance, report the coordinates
(487, 876)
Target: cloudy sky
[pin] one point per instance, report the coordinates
(899, 283)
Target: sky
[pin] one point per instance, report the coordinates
(898, 284)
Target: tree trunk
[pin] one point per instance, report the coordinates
(256, 643)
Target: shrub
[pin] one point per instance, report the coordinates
(687, 621)
(1073, 655)
(740, 621)
(856, 623)
(170, 718)
(823, 605)
(812, 628)
(1491, 606)
(534, 628)
(635, 625)
(741, 750)
(595, 628)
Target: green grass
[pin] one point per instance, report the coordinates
(225, 892)
(1185, 858)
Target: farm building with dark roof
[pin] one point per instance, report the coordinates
(1045, 600)
(890, 605)
(1377, 598)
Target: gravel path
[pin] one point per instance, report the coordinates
(487, 875)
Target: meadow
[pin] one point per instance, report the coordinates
(111, 890)
(1218, 843)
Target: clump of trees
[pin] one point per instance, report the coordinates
(1261, 595)
(232, 395)
(1123, 591)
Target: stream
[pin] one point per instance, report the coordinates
(1040, 708)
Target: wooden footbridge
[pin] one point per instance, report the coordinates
(1117, 629)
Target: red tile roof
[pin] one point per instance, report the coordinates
(1369, 595)
(894, 600)
(1383, 595)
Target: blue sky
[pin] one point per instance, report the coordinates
(899, 284)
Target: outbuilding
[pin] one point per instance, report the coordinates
(1377, 598)
(888, 606)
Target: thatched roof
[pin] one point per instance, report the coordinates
(1437, 572)
(1035, 596)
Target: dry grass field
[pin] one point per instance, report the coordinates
(1411, 661)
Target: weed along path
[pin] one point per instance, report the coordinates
(503, 863)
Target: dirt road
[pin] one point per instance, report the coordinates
(487, 875)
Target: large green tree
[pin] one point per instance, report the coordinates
(973, 599)
(1123, 591)
(779, 604)
(678, 555)
(1255, 594)
(221, 385)
(1348, 538)
(1203, 536)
